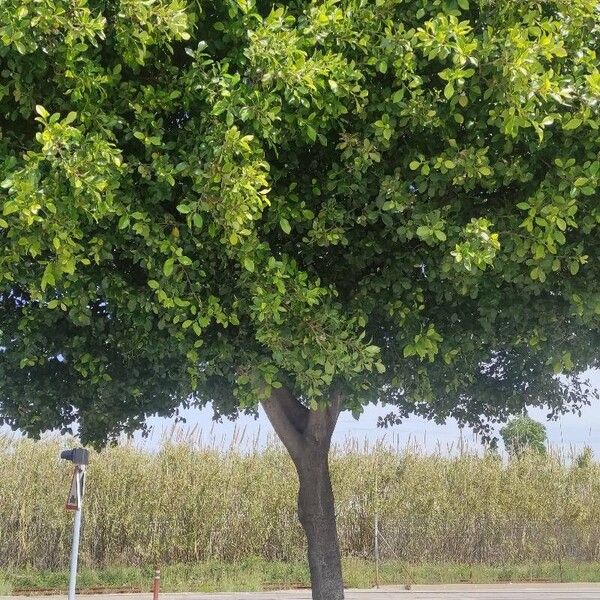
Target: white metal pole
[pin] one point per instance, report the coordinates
(76, 532)
(376, 550)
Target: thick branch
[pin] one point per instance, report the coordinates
(322, 422)
(289, 419)
(295, 411)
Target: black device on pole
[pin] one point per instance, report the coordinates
(79, 456)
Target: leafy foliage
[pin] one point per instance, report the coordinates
(524, 433)
(206, 201)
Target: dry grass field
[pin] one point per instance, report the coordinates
(191, 505)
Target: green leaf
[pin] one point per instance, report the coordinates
(572, 124)
(48, 277)
(3, 223)
(409, 350)
(523, 206)
(123, 221)
(398, 95)
(449, 164)
(464, 4)
(184, 209)
(285, 225)
(414, 165)
(449, 90)
(40, 110)
(198, 220)
(168, 266)
(69, 118)
(249, 264)
(311, 132)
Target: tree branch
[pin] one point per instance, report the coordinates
(296, 412)
(322, 422)
(334, 409)
(289, 419)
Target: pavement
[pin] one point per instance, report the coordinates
(563, 591)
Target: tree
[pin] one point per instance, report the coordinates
(524, 433)
(313, 206)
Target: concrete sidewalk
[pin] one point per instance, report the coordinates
(507, 591)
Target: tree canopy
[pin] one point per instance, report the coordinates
(205, 201)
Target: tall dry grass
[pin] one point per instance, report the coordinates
(190, 501)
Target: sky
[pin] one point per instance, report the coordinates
(569, 432)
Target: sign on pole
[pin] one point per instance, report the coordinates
(76, 490)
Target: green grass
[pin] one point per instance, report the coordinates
(258, 575)
(5, 587)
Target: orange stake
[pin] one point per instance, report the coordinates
(156, 584)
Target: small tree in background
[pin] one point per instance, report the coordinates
(585, 459)
(524, 433)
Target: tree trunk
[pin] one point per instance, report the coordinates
(307, 436)
(316, 511)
